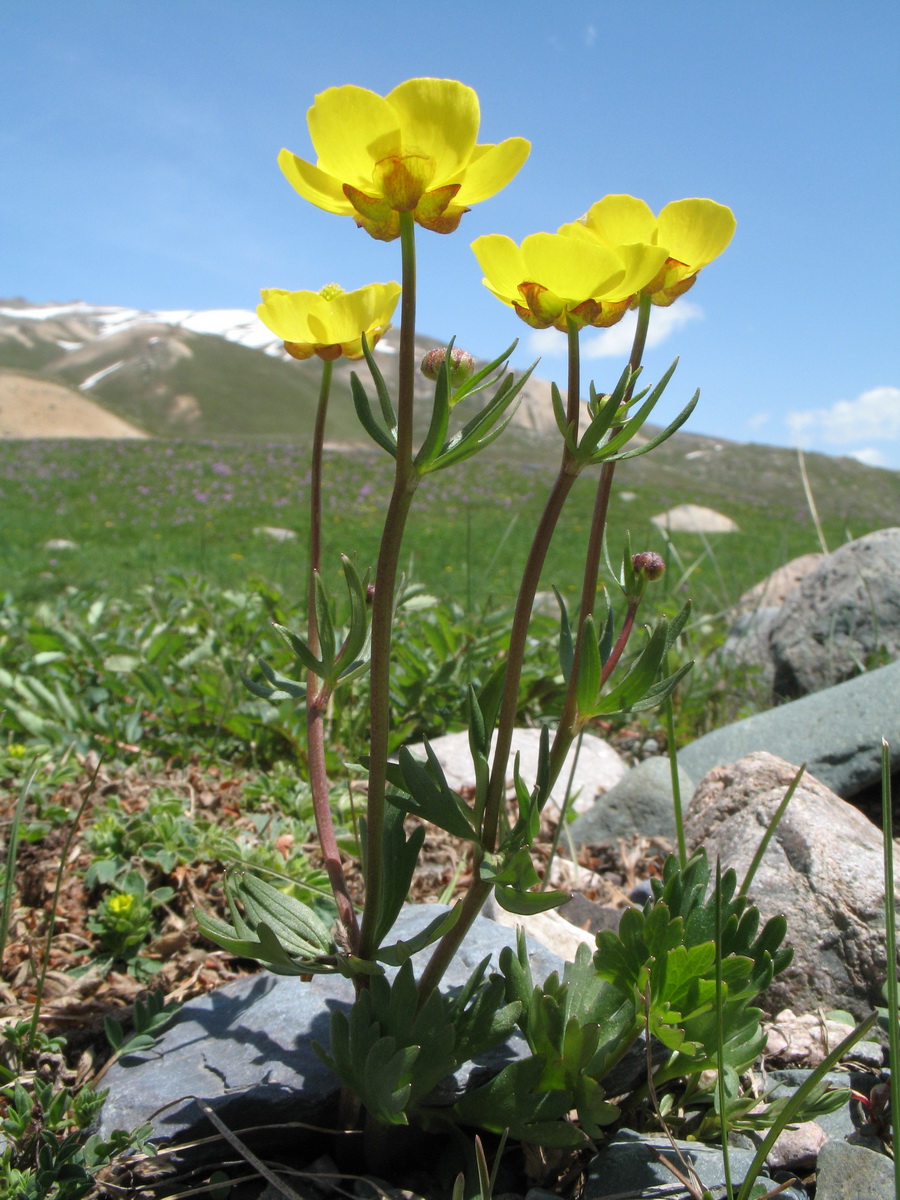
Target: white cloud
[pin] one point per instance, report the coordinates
(873, 416)
(870, 456)
(590, 35)
(758, 420)
(616, 342)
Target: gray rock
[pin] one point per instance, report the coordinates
(772, 591)
(640, 803)
(629, 1166)
(843, 614)
(846, 1172)
(823, 870)
(837, 733)
(247, 1048)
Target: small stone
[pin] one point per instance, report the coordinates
(797, 1148)
(60, 544)
(694, 518)
(630, 1166)
(597, 766)
(846, 1172)
(275, 533)
(808, 1038)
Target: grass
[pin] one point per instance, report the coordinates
(136, 510)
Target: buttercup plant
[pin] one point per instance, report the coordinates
(391, 163)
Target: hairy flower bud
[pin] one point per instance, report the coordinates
(649, 564)
(462, 365)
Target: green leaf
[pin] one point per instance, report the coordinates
(401, 952)
(302, 651)
(431, 797)
(324, 628)
(385, 438)
(402, 855)
(526, 904)
(587, 686)
(566, 641)
(516, 868)
(486, 426)
(512, 1100)
(440, 417)
(381, 388)
(665, 434)
(358, 632)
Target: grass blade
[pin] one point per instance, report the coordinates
(890, 935)
(11, 852)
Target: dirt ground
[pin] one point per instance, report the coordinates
(31, 408)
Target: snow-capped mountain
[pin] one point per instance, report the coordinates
(212, 373)
(100, 321)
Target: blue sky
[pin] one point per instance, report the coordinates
(138, 167)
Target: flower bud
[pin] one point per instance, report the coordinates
(461, 367)
(649, 564)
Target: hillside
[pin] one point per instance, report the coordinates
(213, 375)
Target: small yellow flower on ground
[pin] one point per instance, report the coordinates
(693, 233)
(331, 322)
(551, 278)
(413, 151)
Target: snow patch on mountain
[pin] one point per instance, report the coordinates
(234, 324)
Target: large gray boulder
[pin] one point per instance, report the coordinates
(837, 733)
(247, 1048)
(642, 802)
(822, 870)
(842, 617)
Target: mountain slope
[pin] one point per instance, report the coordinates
(217, 374)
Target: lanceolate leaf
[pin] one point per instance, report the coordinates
(385, 438)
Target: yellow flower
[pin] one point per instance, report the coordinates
(331, 322)
(413, 151)
(551, 277)
(121, 904)
(693, 233)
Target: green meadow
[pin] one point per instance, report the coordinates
(134, 511)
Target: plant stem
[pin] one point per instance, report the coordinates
(405, 482)
(568, 728)
(315, 502)
(568, 473)
(317, 697)
(479, 891)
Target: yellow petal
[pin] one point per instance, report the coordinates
(309, 322)
(368, 310)
(642, 264)
(619, 220)
(287, 313)
(314, 185)
(352, 129)
(696, 231)
(438, 118)
(502, 263)
(573, 269)
(491, 168)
